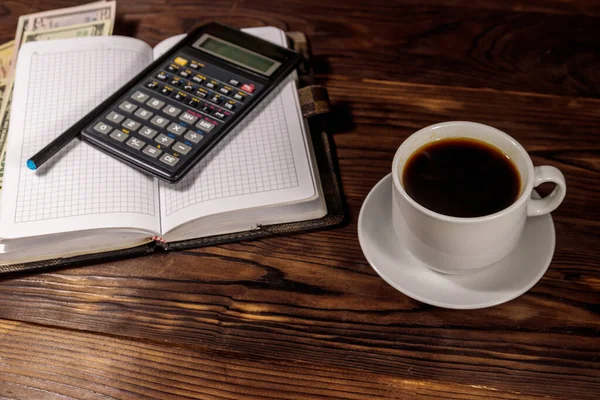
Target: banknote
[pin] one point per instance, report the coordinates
(97, 28)
(93, 19)
(6, 52)
(97, 11)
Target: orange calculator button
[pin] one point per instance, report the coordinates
(181, 61)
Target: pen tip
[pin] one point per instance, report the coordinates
(31, 165)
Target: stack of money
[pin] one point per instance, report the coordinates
(94, 19)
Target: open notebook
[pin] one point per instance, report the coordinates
(83, 201)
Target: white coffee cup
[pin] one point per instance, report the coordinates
(455, 245)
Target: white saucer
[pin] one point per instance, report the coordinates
(499, 283)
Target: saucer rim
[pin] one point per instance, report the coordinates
(362, 241)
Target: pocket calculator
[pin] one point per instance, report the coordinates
(176, 110)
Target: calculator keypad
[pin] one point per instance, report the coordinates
(168, 115)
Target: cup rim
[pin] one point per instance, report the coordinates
(526, 193)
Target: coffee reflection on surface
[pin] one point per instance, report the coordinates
(461, 177)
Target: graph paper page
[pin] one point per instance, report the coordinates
(263, 162)
(79, 188)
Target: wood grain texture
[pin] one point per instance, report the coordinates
(305, 316)
(56, 363)
(447, 43)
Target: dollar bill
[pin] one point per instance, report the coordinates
(93, 19)
(6, 53)
(98, 28)
(97, 11)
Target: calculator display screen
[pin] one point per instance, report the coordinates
(237, 55)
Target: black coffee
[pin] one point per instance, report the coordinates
(461, 177)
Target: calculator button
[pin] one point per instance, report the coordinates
(159, 121)
(172, 111)
(206, 108)
(176, 82)
(147, 132)
(193, 137)
(189, 118)
(188, 87)
(140, 96)
(216, 99)
(173, 68)
(212, 84)
(162, 76)
(180, 96)
(185, 73)
(151, 151)
(176, 129)
(102, 128)
(127, 106)
(239, 96)
(152, 85)
(201, 93)
(169, 159)
(115, 117)
(194, 65)
(135, 143)
(181, 61)
(230, 105)
(193, 102)
(225, 90)
(181, 148)
(166, 91)
(131, 124)
(219, 115)
(234, 82)
(205, 125)
(198, 78)
(248, 87)
(143, 114)
(164, 140)
(155, 103)
(118, 135)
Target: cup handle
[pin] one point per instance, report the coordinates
(541, 174)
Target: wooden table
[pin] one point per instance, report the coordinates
(305, 316)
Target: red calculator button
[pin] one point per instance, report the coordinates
(248, 87)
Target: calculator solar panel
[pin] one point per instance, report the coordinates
(176, 110)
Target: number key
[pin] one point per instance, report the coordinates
(159, 121)
(143, 114)
(155, 103)
(127, 107)
(102, 128)
(148, 132)
(140, 96)
(131, 124)
(115, 117)
(172, 111)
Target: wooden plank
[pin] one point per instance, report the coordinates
(432, 43)
(313, 298)
(52, 363)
